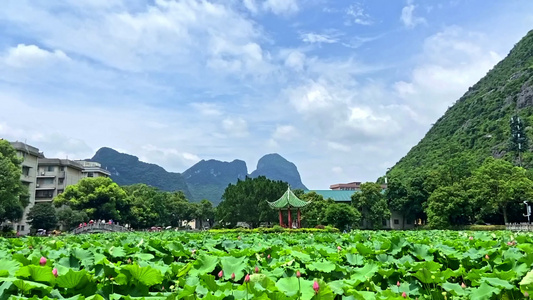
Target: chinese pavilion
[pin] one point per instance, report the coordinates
(287, 201)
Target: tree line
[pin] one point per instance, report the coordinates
(140, 206)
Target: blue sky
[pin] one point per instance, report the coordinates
(341, 88)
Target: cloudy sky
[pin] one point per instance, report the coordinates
(341, 88)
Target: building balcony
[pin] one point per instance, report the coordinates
(46, 174)
(61, 174)
(44, 187)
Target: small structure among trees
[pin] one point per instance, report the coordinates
(285, 203)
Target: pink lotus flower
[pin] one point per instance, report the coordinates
(526, 294)
(398, 283)
(316, 287)
(268, 257)
(463, 285)
(54, 271)
(471, 238)
(42, 261)
(339, 248)
(247, 278)
(404, 295)
(298, 274)
(487, 256)
(220, 274)
(232, 276)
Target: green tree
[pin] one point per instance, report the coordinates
(342, 216)
(372, 203)
(314, 213)
(498, 185)
(205, 211)
(42, 216)
(449, 205)
(69, 218)
(99, 198)
(246, 201)
(150, 206)
(13, 193)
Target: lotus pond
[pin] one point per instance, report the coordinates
(207, 265)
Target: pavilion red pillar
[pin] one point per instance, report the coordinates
(299, 219)
(290, 218)
(280, 218)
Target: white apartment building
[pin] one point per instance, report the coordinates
(54, 175)
(31, 156)
(93, 169)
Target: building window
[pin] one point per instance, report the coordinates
(384, 222)
(90, 174)
(62, 168)
(59, 192)
(44, 194)
(25, 171)
(50, 169)
(396, 222)
(60, 180)
(21, 227)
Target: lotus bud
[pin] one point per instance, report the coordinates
(298, 274)
(486, 256)
(339, 248)
(463, 285)
(398, 283)
(220, 274)
(232, 276)
(316, 287)
(42, 261)
(404, 295)
(247, 278)
(54, 271)
(268, 256)
(526, 294)
(256, 269)
(471, 238)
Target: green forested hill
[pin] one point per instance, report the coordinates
(478, 124)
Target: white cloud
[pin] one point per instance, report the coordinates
(408, 17)
(284, 132)
(339, 147)
(207, 109)
(451, 62)
(337, 170)
(167, 156)
(31, 56)
(281, 7)
(251, 5)
(318, 38)
(236, 127)
(295, 60)
(358, 15)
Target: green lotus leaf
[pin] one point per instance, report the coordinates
(454, 288)
(354, 259)
(234, 265)
(145, 275)
(322, 266)
(72, 279)
(484, 292)
(11, 266)
(204, 264)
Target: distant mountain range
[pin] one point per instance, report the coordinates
(207, 179)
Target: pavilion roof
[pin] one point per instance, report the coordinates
(288, 200)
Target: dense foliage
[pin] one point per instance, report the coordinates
(13, 193)
(246, 201)
(42, 216)
(141, 206)
(359, 265)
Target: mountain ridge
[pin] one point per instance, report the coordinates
(207, 179)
